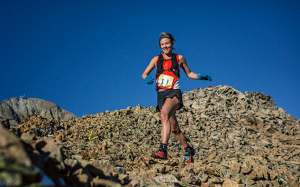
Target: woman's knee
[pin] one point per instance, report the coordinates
(163, 115)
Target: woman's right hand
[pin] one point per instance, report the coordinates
(149, 80)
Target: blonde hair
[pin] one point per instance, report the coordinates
(166, 35)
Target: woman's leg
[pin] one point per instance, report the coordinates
(177, 132)
(180, 136)
(169, 108)
(169, 123)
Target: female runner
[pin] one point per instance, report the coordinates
(169, 97)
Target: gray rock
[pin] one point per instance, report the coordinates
(16, 109)
(166, 178)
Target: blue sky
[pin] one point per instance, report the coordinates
(88, 56)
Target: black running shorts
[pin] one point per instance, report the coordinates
(161, 97)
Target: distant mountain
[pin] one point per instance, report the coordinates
(16, 109)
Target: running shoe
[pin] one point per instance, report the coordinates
(161, 153)
(189, 153)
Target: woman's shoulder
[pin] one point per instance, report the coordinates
(181, 58)
(154, 60)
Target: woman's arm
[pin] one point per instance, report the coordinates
(186, 69)
(150, 67)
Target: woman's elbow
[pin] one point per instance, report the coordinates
(189, 76)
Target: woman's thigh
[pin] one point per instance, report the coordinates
(170, 106)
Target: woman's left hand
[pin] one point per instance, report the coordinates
(204, 77)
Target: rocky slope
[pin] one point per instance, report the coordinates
(16, 109)
(241, 139)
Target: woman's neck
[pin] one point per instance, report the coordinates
(168, 55)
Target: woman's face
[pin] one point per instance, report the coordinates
(166, 45)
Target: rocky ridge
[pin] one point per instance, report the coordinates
(16, 109)
(241, 139)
